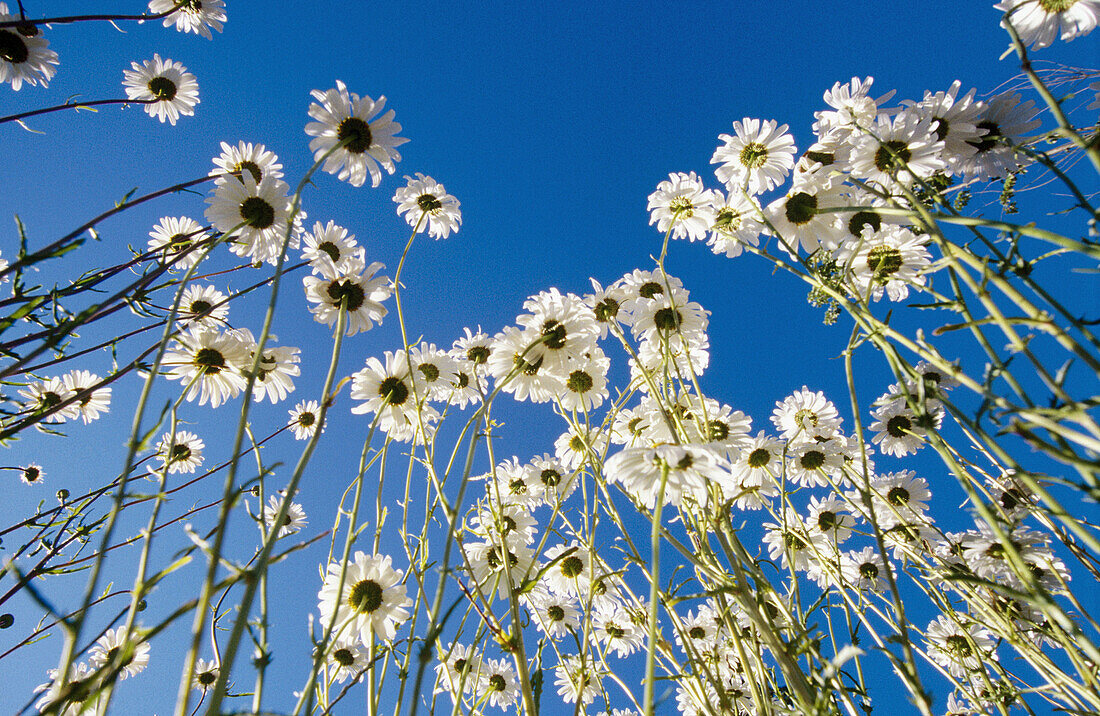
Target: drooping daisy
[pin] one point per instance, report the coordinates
(368, 139)
(208, 362)
(254, 159)
(254, 214)
(685, 205)
(168, 89)
(373, 598)
(82, 692)
(197, 16)
(427, 205)
(513, 363)
(347, 659)
(304, 419)
(25, 55)
(293, 521)
(203, 305)
(181, 452)
(756, 158)
(434, 370)
(276, 367)
(561, 327)
(128, 656)
(358, 292)
(331, 250)
(175, 239)
(614, 628)
(93, 402)
(1038, 22)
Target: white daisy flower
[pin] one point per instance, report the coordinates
(736, 225)
(434, 370)
(586, 385)
(804, 416)
(48, 394)
(303, 419)
(129, 657)
(757, 158)
(166, 87)
(608, 305)
(359, 292)
(691, 468)
(254, 214)
(1038, 22)
(683, 203)
(255, 159)
(1005, 120)
(899, 497)
(897, 150)
(513, 363)
(753, 475)
(369, 139)
(789, 543)
(294, 520)
(427, 205)
(459, 670)
(82, 692)
(898, 430)
(888, 262)
(798, 222)
(563, 329)
(332, 251)
(556, 615)
(96, 401)
(387, 391)
(487, 566)
(557, 481)
(181, 452)
(276, 368)
(373, 598)
(955, 121)
(828, 519)
(498, 684)
(347, 659)
(514, 485)
(577, 680)
(852, 108)
(616, 630)
(174, 239)
(579, 446)
(206, 674)
(571, 570)
(25, 55)
(203, 305)
(865, 570)
(208, 363)
(197, 16)
(960, 648)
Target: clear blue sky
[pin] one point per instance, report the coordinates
(550, 122)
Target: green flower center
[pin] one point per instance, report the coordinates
(179, 453)
(1056, 6)
(162, 89)
(579, 382)
(306, 419)
(206, 678)
(347, 290)
(343, 657)
(200, 307)
(31, 474)
(991, 137)
(393, 391)
(649, 289)
(178, 242)
(827, 521)
(682, 207)
(357, 134)
(12, 48)
(550, 477)
(210, 360)
(615, 632)
(697, 632)
(497, 683)
(727, 220)
(257, 213)
(429, 204)
(365, 596)
(793, 541)
(331, 249)
(517, 486)
(868, 570)
(800, 208)
(754, 155)
(429, 371)
(891, 155)
(805, 418)
(717, 430)
(884, 261)
(555, 613)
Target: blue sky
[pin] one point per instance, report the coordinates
(550, 122)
